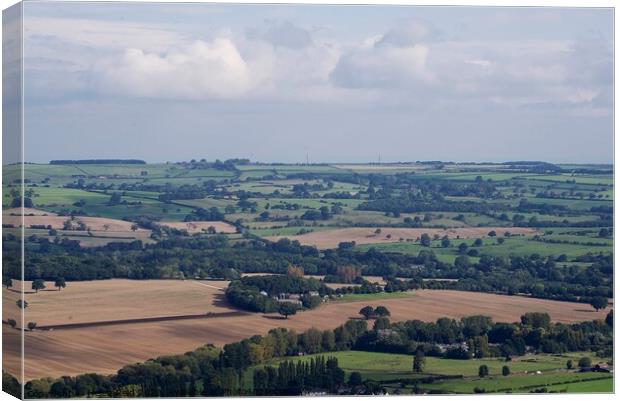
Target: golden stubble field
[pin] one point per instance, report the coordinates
(331, 238)
(101, 230)
(57, 222)
(106, 348)
(106, 300)
(193, 227)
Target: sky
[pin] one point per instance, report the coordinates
(170, 82)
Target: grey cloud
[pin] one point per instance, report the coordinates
(282, 34)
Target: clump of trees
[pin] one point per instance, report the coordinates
(291, 378)
(369, 312)
(260, 293)
(287, 308)
(38, 284)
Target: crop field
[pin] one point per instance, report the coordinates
(57, 222)
(200, 226)
(361, 236)
(69, 350)
(117, 299)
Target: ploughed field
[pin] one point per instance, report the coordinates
(331, 238)
(162, 317)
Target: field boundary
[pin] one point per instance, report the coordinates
(69, 326)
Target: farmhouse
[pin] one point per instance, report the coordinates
(291, 301)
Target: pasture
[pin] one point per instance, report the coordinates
(384, 367)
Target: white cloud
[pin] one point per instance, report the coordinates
(286, 62)
(384, 67)
(202, 69)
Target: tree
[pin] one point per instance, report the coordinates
(11, 386)
(483, 371)
(12, 322)
(418, 361)
(115, 199)
(536, 320)
(425, 240)
(7, 281)
(492, 234)
(378, 231)
(382, 311)
(134, 227)
(569, 364)
(192, 391)
(598, 303)
(286, 309)
(60, 283)
(355, 379)
(32, 325)
(478, 242)
(295, 271)
(38, 284)
(381, 323)
(367, 311)
(584, 362)
(445, 242)
(505, 370)
(609, 319)
(21, 304)
(462, 247)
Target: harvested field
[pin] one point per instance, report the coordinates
(105, 300)
(331, 238)
(57, 222)
(200, 226)
(27, 211)
(105, 349)
(372, 279)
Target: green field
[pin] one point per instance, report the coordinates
(527, 373)
(519, 246)
(592, 386)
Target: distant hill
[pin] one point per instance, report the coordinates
(99, 161)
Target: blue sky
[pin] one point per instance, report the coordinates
(167, 82)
